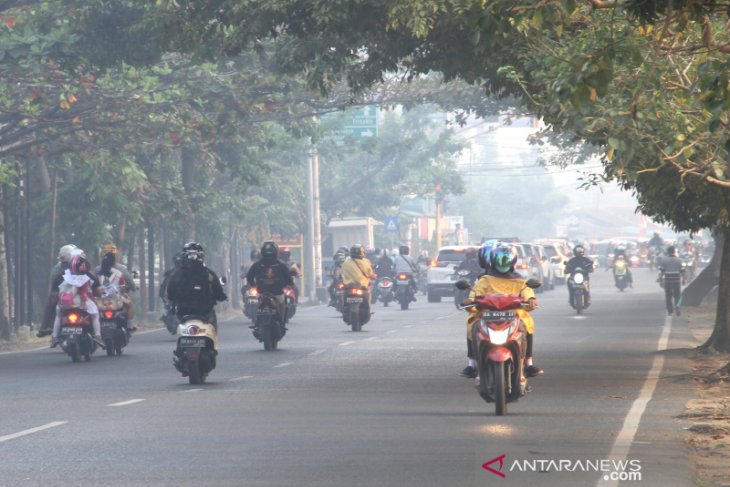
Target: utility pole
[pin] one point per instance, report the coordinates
(309, 281)
(317, 221)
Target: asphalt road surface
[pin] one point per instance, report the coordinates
(384, 407)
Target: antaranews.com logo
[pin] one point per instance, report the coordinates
(622, 470)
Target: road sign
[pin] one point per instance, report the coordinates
(391, 224)
(359, 122)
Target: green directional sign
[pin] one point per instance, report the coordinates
(359, 122)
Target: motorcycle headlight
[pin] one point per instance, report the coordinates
(578, 278)
(497, 337)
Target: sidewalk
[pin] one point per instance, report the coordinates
(709, 413)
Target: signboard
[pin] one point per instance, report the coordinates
(358, 122)
(391, 224)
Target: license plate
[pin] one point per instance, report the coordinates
(354, 300)
(192, 342)
(72, 330)
(498, 316)
(402, 283)
(108, 325)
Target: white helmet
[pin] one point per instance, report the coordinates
(77, 251)
(65, 252)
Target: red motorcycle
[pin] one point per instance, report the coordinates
(499, 341)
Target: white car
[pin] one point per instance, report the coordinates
(441, 275)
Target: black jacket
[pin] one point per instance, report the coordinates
(270, 276)
(583, 262)
(194, 289)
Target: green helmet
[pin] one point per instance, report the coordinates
(503, 258)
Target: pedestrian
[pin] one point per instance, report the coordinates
(672, 276)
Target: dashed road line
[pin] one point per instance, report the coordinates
(370, 339)
(241, 378)
(285, 364)
(125, 403)
(346, 344)
(391, 331)
(192, 390)
(318, 352)
(31, 431)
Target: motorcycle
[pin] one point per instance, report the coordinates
(169, 319)
(499, 343)
(403, 289)
(620, 274)
(113, 318)
(290, 296)
(76, 334)
(460, 294)
(340, 296)
(268, 327)
(688, 264)
(197, 348)
(578, 283)
(355, 313)
(385, 290)
(250, 302)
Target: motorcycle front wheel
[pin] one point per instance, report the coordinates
(579, 304)
(500, 388)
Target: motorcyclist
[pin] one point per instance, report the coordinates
(169, 312)
(470, 264)
(656, 240)
(672, 275)
(501, 278)
(49, 311)
(384, 265)
(78, 281)
(194, 289)
(335, 272)
(270, 275)
(110, 271)
(620, 255)
(357, 272)
(405, 263)
(483, 256)
(579, 260)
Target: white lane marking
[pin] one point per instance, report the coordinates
(408, 326)
(625, 438)
(192, 390)
(370, 339)
(439, 318)
(125, 403)
(317, 352)
(241, 378)
(391, 331)
(31, 431)
(346, 344)
(285, 364)
(26, 351)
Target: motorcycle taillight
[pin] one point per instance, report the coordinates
(254, 291)
(72, 318)
(402, 277)
(341, 285)
(356, 292)
(108, 314)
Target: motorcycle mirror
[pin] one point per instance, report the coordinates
(533, 283)
(462, 284)
(223, 280)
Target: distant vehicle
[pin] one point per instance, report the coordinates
(528, 262)
(558, 250)
(548, 271)
(441, 275)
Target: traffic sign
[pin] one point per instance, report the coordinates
(391, 224)
(359, 122)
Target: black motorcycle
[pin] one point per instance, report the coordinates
(268, 327)
(578, 282)
(355, 313)
(403, 289)
(114, 320)
(76, 334)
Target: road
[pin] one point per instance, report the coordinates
(384, 407)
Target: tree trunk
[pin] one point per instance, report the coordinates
(187, 171)
(4, 290)
(142, 272)
(151, 266)
(720, 338)
(706, 281)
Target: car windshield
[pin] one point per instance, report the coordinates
(448, 255)
(550, 251)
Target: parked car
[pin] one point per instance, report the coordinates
(441, 276)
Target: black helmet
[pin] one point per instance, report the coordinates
(485, 253)
(357, 251)
(269, 250)
(672, 250)
(404, 250)
(503, 258)
(107, 262)
(579, 251)
(255, 255)
(193, 251)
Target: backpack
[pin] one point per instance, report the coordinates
(194, 290)
(69, 296)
